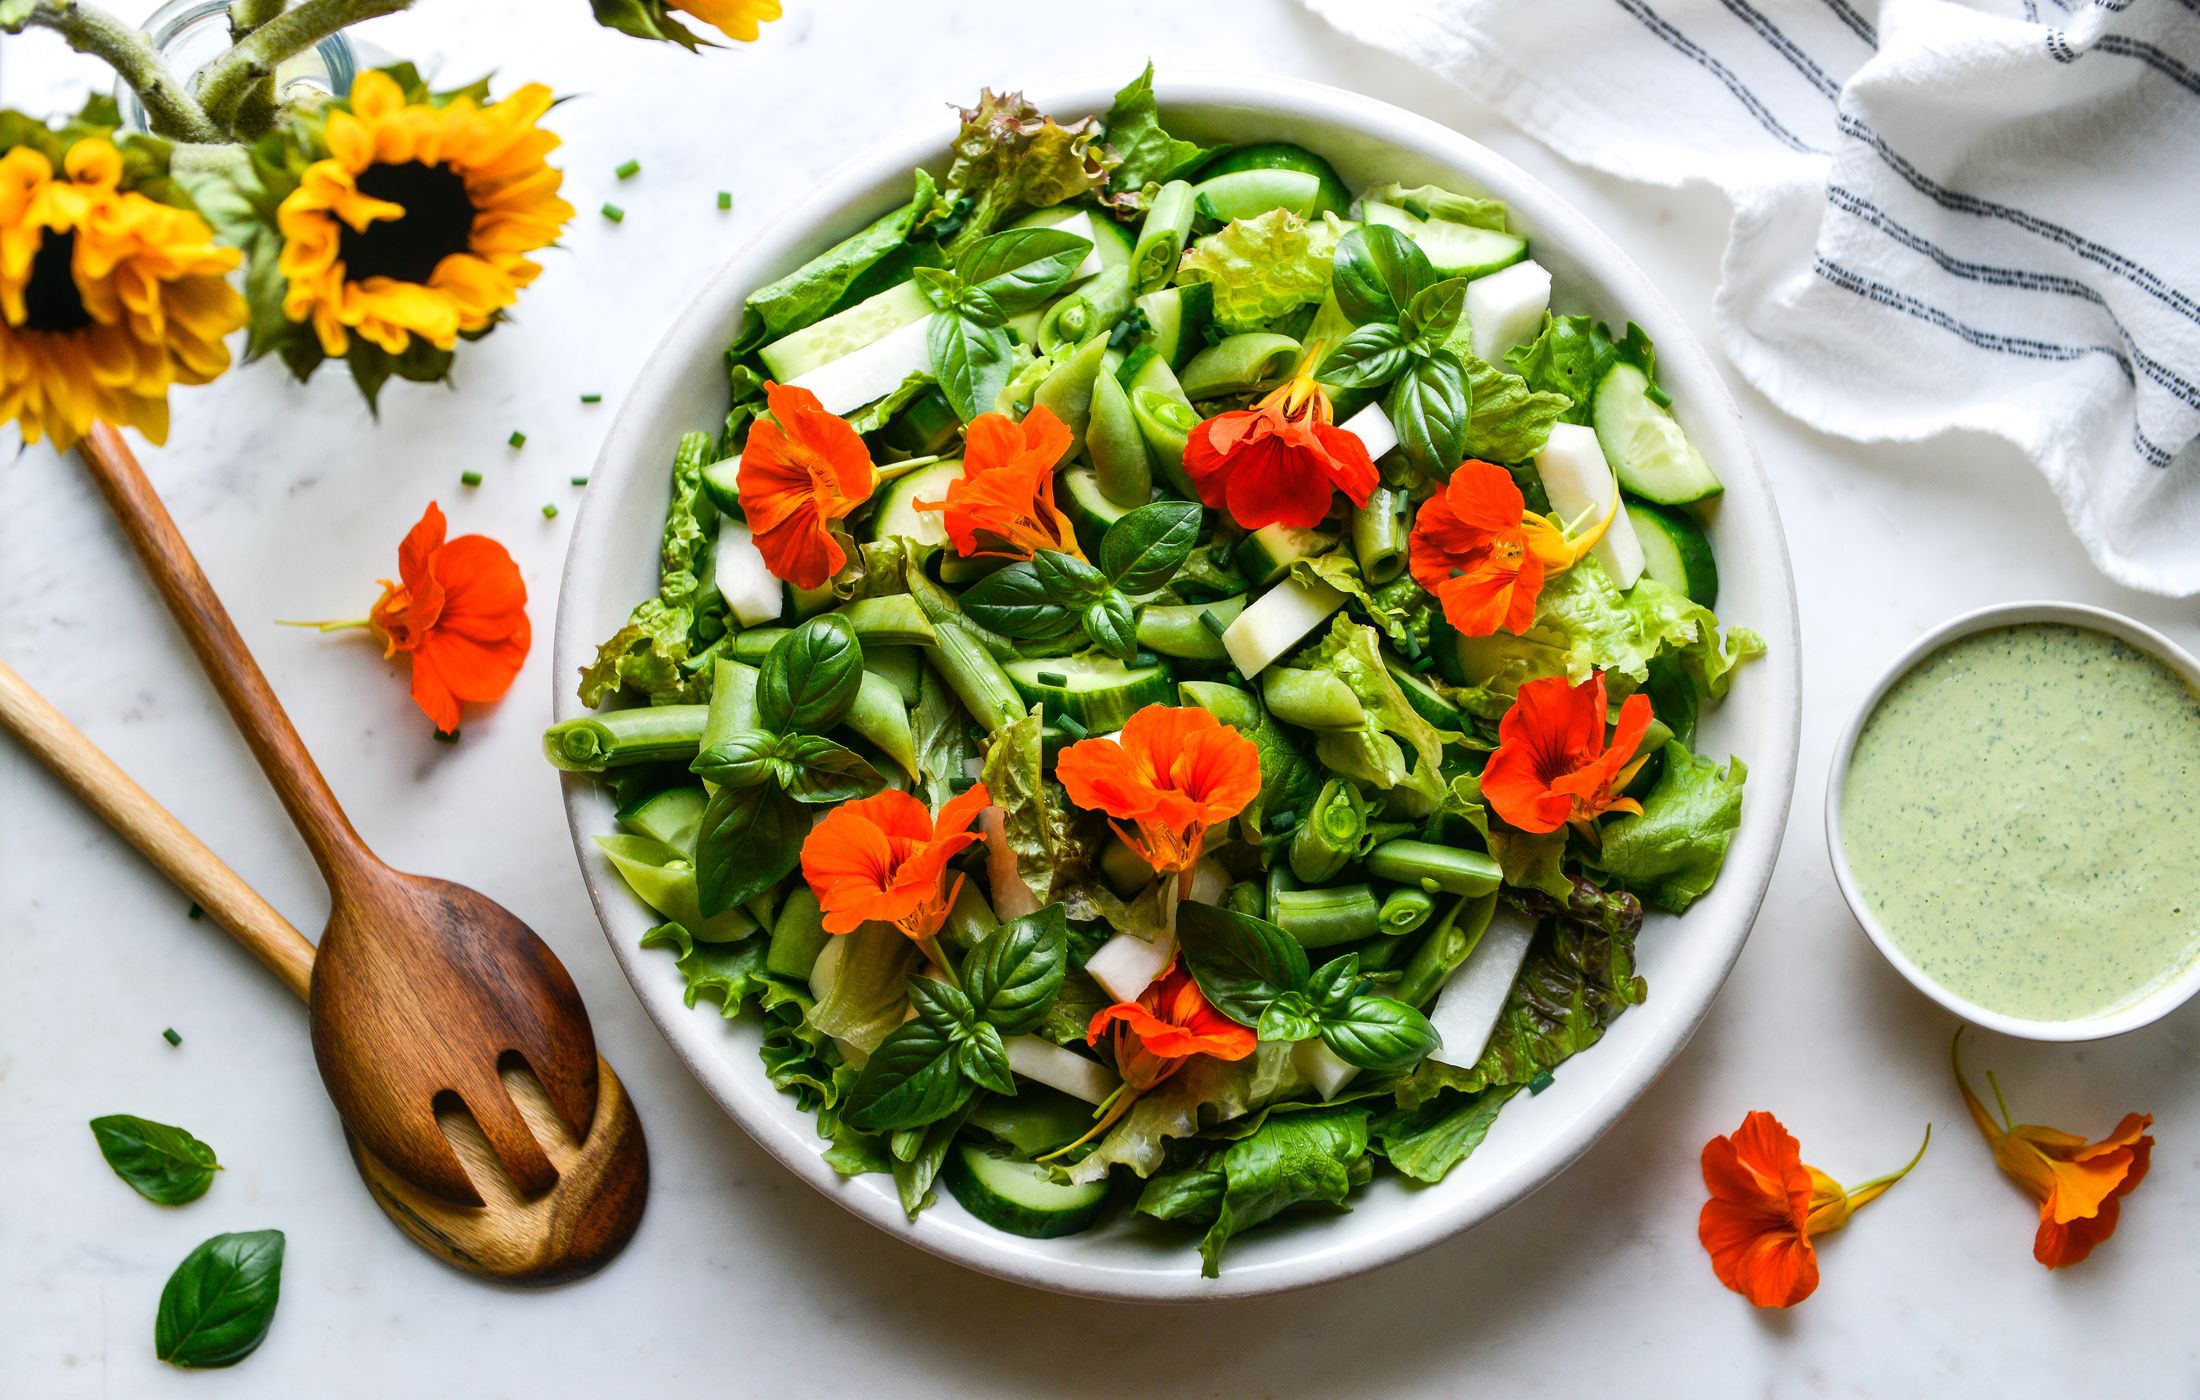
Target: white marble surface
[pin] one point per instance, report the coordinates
(742, 1281)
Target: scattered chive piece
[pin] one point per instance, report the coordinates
(171, 1037)
(1413, 649)
(469, 478)
(194, 913)
(725, 199)
(628, 169)
(1145, 658)
(580, 481)
(1208, 620)
(446, 736)
(1283, 820)
(962, 782)
(1422, 662)
(1075, 730)
(1541, 1082)
(549, 511)
(1052, 678)
(591, 398)
(517, 439)
(614, 213)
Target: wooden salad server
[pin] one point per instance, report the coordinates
(569, 1231)
(423, 991)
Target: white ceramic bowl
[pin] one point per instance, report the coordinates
(2145, 1010)
(613, 564)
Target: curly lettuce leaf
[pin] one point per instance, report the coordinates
(1689, 633)
(1567, 358)
(1425, 1143)
(650, 654)
(1291, 1159)
(731, 972)
(1010, 156)
(1671, 852)
(1147, 153)
(1264, 267)
(1507, 421)
(1375, 753)
(1437, 203)
(870, 991)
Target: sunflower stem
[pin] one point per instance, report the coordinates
(169, 107)
(229, 83)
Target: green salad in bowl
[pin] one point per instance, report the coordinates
(1172, 688)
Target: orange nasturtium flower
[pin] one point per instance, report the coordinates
(884, 858)
(1004, 504)
(1170, 1022)
(1765, 1206)
(801, 470)
(1280, 461)
(1478, 548)
(1173, 772)
(1553, 764)
(2080, 1185)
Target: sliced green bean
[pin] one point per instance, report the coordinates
(1447, 945)
(1245, 897)
(732, 700)
(969, 918)
(1405, 910)
(1067, 391)
(1234, 707)
(1321, 918)
(904, 666)
(1091, 310)
(1434, 868)
(882, 716)
(892, 621)
(1240, 364)
(665, 881)
(1125, 870)
(1330, 832)
(615, 738)
(1379, 537)
(1120, 462)
(1311, 699)
(1161, 238)
(798, 935)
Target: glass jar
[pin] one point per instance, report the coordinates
(190, 34)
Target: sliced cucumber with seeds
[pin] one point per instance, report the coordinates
(897, 512)
(1423, 697)
(1457, 250)
(1095, 689)
(1676, 552)
(1177, 316)
(1648, 451)
(1267, 554)
(1038, 1119)
(672, 816)
(1248, 194)
(1330, 194)
(1017, 1196)
(845, 332)
(1180, 629)
(722, 483)
(1088, 508)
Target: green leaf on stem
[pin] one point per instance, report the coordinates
(1016, 971)
(165, 1165)
(1378, 1033)
(1112, 624)
(810, 677)
(971, 360)
(1142, 551)
(1379, 271)
(1372, 355)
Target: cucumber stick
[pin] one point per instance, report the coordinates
(1022, 1198)
(1582, 489)
(1648, 451)
(845, 332)
(867, 375)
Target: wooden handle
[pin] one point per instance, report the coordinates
(313, 809)
(147, 825)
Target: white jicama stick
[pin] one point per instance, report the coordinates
(1044, 1062)
(1126, 964)
(1466, 1011)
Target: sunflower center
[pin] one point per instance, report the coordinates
(52, 302)
(438, 221)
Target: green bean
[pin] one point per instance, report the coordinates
(1174, 629)
(1118, 450)
(901, 665)
(1232, 706)
(1067, 391)
(1092, 310)
(894, 620)
(1311, 699)
(882, 716)
(1406, 909)
(1446, 946)
(1245, 897)
(798, 935)
(1161, 237)
(1378, 536)
(1330, 832)
(1433, 868)
(732, 700)
(1240, 364)
(1321, 918)
(969, 918)
(615, 738)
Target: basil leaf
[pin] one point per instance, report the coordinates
(1379, 1033)
(165, 1165)
(1378, 272)
(1141, 552)
(217, 1305)
(749, 841)
(743, 759)
(1241, 963)
(1021, 267)
(983, 1060)
(911, 1079)
(1016, 971)
(1430, 407)
(1067, 577)
(810, 676)
(1288, 1018)
(941, 1005)
(814, 769)
(1434, 311)
(971, 361)
(1372, 354)
(1334, 984)
(1112, 624)
(1014, 603)
(940, 287)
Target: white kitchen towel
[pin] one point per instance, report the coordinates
(1946, 215)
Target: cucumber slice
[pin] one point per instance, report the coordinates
(1423, 697)
(722, 483)
(1276, 623)
(1095, 689)
(1580, 487)
(1267, 554)
(1651, 455)
(897, 512)
(1248, 194)
(672, 815)
(844, 332)
(1087, 507)
(1178, 316)
(1459, 250)
(1331, 197)
(1017, 1196)
(744, 580)
(1178, 629)
(925, 425)
(1675, 552)
(1038, 1119)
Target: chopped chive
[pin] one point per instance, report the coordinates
(580, 481)
(1283, 820)
(725, 199)
(614, 213)
(1541, 1082)
(1145, 658)
(194, 913)
(628, 169)
(1413, 649)
(1422, 662)
(469, 478)
(517, 439)
(549, 511)
(171, 1037)
(1208, 620)
(1052, 678)
(1072, 728)
(591, 398)
(446, 736)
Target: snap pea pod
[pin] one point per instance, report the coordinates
(1165, 418)
(894, 620)
(1240, 364)
(1405, 910)
(1118, 450)
(1330, 832)
(1245, 897)
(882, 716)
(1087, 312)
(964, 660)
(1379, 537)
(732, 700)
(1434, 868)
(1067, 391)
(1161, 238)
(1446, 946)
(1325, 917)
(1311, 699)
(798, 935)
(615, 738)
(970, 918)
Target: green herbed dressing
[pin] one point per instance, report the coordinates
(2018, 816)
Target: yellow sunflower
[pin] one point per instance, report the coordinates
(736, 19)
(420, 219)
(107, 297)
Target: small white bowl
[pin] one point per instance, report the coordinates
(2147, 1009)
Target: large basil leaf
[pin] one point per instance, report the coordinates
(1022, 267)
(1112, 624)
(749, 841)
(1015, 603)
(1430, 406)
(1142, 551)
(1372, 354)
(810, 677)
(1016, 971)
(912, 1079)
(918, 1165)
(1378, 1033)
(743, 759)
(1435, 310)
(165, 1165)
(814, 769)
(1241, 963)
(983, 1059)
(971, 360)
(217, 1306)
(1067, 577)
(1379, 271)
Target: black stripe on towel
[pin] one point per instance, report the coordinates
(1858, 25)
(1787, 48)
(1689, 49)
